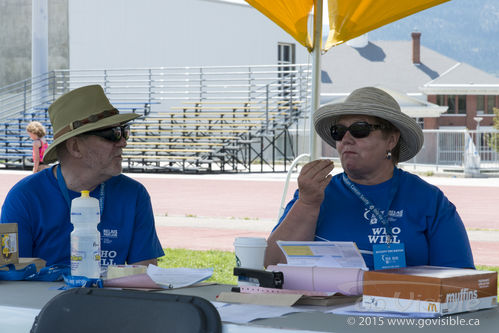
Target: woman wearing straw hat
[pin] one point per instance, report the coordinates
(89, 136)
(394, 217)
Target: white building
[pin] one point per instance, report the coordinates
(168, 33)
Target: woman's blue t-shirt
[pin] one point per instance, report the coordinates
(420, 216)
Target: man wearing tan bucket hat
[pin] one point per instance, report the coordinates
(89, 135)
(394, 217)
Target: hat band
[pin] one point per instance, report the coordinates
(91, 119)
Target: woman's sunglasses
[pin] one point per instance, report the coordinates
(360, 129)
(113, 134)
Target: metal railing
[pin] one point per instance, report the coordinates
(269, 88)
(461, 151)
(466, 151)
(272, 87)
(453, 149)
(162, 87)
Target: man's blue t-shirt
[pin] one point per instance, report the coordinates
(420, 216)
(37, 205)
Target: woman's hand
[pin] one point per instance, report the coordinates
(313, 180)
(301, 221)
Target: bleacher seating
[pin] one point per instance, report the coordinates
(199, 136)
(15, 144)
(196, 136)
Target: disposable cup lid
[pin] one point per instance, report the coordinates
(250, 241)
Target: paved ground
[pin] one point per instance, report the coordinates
(209, 211)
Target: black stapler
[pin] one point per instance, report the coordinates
(265, 279)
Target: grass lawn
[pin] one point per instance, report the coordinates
(222, 262)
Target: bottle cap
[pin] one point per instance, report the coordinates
(85, 194)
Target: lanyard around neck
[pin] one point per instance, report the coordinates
(65, 192)
(370, 206)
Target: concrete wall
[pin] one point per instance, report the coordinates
(166, 33)
(15, 38)
(58, 34)
(149, 33)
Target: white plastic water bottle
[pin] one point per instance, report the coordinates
(85, 238)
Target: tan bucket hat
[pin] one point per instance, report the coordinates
(81, 110)
(374, 102)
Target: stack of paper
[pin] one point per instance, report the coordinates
(161, 278)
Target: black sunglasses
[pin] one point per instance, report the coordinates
(359, 129)
(113, 134)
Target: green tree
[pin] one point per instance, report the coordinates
(493, 138)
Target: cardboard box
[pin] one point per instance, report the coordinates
(23, 262)
(117, 271)
(9, 250)
(39, 263)
(429, 289)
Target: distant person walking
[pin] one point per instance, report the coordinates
(37, 133)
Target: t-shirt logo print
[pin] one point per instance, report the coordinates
(111, 233)
(370, 216)
(108, 235)
(379, 234)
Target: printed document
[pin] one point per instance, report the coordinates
(325, 254)
(178, 277)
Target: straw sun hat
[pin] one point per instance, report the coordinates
(374, 102)
(81, 110)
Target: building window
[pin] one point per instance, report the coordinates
(480, 104)
(461, 104)
(486, 103)
(285, 53)
(451, 102)
(286, 74)
(420, 122)
(490, 104)
(441, 100)
(456, 103)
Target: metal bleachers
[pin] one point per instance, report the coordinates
(199, 126)
(203, 137)
(15, 144)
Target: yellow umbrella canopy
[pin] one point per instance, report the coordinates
(347, 18)
(291, 15)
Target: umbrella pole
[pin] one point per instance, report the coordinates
(316, 71)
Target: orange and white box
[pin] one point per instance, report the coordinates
(429, 289)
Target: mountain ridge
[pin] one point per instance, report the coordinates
(464, 30)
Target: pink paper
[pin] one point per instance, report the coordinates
(132, 281)
(347, 281)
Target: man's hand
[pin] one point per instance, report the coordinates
(313, 180)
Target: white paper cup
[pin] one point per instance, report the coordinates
(250, 252)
